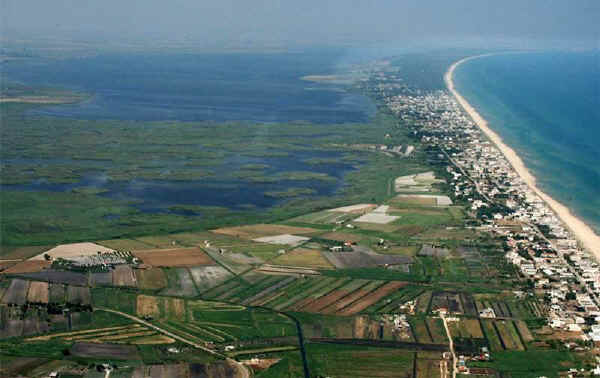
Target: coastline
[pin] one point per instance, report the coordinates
(580, 230)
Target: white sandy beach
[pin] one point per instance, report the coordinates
(584, 233)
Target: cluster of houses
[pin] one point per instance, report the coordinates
(539, 244)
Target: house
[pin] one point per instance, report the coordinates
(487, 313)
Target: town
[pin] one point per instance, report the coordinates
(537, 243)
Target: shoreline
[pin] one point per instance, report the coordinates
(584, 234)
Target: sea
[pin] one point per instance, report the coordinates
(546, 106)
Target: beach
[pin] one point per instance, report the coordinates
(586, 236)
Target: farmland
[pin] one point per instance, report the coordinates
(151, 279)
(173, 257)
(127, 334)
(263, 230)
(231, 287)
(363, 274)
(309, 258)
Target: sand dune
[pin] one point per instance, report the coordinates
(584, 233)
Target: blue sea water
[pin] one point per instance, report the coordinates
(546, 106)
(263, 87)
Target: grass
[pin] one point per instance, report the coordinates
(319, 325)
(420, 330)
(151, 354)
(55, 349)
(309, 258)
(375, 274)
(410, 250)
(354, 361)
(125, 244)
(492, 336)
(289, 366)
(533, 363)
(10, 253)
(117, 299)
(246, 324)
(341, 361)
(151, 279)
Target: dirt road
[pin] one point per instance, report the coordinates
(243, 371)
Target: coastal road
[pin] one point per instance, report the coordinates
(590, 290)
(467, 176)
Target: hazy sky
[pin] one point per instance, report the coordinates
(305, 21)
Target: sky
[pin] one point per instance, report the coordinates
(239, 22)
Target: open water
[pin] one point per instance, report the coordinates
(546, 106)
(194, 87)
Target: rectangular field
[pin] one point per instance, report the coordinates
(123, 276)
(59, 276)
(258, 298)
(150, 279)
(57, 293)
(180, 283)
(16, 292)
(310, 258)
(207, 277)
(437, 331)
(323, 289)
(78, 295)
(492, 336)
(179, 257)
(423, 300)
(101, 278)
(351, 298)
(38, 292)
(508, 334)
(524, 331)
(421, 332)
(334, 296)
(299, 291)
(466, 328)
(261, 230)
(113, 351)
(147, 305)
(373, 297)
(355, 361)
(126, 244)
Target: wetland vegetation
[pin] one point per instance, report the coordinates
(87, 179)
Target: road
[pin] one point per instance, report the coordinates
(241, 368)
(474, 182)
(582, 282)
(590, 291)
(451, 343)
